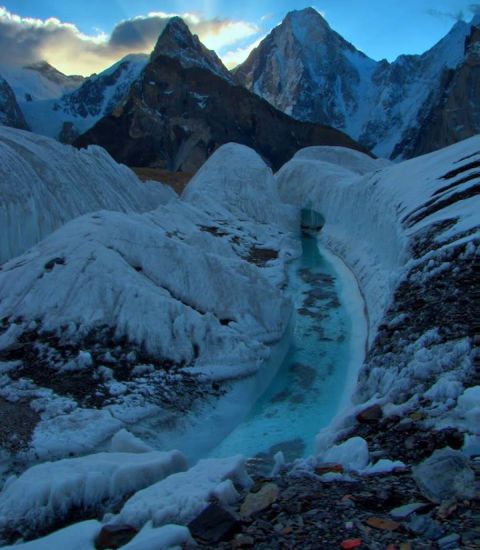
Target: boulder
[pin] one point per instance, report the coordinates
(445, 475)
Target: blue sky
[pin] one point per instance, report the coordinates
(381, 29)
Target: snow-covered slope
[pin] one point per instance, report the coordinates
(43, 184)
(309, 71)
(10, 113)
(38, 81)
(75, 112)
(410, 232)
(128, 317)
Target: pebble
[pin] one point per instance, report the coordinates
(384, 524)
(403, 512)
(450, 542)
(351, 543)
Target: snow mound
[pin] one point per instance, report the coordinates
(239, 180)
(46, 493)
(181, 497)
(80, 536)
(44, 184)
(349, 159)
(126, 317)
(410, 233)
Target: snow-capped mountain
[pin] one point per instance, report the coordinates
(309, 71)
(10, 112)
(180, 110)
(38, 81)
(179, 43)
(75, 112)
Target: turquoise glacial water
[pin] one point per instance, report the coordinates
(307, 391)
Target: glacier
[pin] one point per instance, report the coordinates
(43, 184)
(126, 330)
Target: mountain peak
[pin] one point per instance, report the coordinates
(178, 42)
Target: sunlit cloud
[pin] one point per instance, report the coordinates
(25, 40)
(234, 57)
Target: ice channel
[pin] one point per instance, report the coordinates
(317, 377)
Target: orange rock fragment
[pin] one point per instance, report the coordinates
(351, 543)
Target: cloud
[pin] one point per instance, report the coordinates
(234, 57)
(26, 40)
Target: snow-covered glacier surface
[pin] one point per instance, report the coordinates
(43, 184)
(121, 319)
(410, 233)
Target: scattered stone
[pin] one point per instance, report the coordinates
(446, 474)
(214, 524)
(384, 524)
(114, 536)
(405, 546)
(446, 509)
(403, 512)
(351, 543)
(242, 541)
(370, 415)
(449, 542)
(256, 502)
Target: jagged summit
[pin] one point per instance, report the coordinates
(178, 42)
(307, 70)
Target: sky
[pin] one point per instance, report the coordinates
(86, 36)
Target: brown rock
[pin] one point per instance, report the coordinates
(384, 524)
(114, 536)
(256, 502)
(328, 467)
(370, 415)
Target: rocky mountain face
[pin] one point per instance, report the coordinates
(453, 112)
(184, 105)
(77, 111)
(310, 72)
(10, 113)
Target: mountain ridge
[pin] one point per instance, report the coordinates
(331, 82)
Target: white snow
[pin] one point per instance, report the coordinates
(181, 497)
(35, 82)
(43, 184)
(163, 538)
(84, 107)
(47, 492)
(351, 454)
(79, 536)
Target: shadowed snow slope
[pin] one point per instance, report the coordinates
(47, 493)
(113, 317)
(43, 184)
(410, 233)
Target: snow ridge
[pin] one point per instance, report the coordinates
(43, 184)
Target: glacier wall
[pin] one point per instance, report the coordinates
(410, 233)
(43, 184)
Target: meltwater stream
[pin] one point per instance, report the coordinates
(314, 378)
